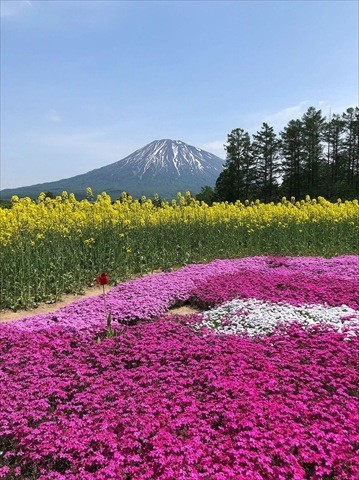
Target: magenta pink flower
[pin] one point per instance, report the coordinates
(166, 401)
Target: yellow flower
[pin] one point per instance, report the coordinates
(89, 241)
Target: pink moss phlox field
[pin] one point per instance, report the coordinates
(296, 289)
(141, 299)
(316, 281)
(333, 281)
(162, 402)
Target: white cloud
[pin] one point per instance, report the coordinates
(328, 108)
(252, 121)
(53, 116)
(10, 8)
(216, 147)
(281, 118)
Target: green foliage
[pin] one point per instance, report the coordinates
(313, 159)
(33, 273)
(292, 159)
(206, 195)
(312, 156)
(50, 195)
(238, 179)
(266, 153)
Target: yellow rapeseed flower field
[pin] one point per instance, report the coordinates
(58, 245)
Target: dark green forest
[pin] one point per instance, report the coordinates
(313, 155)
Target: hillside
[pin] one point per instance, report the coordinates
(163, 166)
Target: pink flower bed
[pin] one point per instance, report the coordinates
(148, 297)
(279, 286)
(165, 401)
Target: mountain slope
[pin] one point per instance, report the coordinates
(163, 166)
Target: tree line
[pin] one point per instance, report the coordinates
(313, 155)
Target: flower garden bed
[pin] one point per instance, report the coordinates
(261, 385)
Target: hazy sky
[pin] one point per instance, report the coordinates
(85, 83)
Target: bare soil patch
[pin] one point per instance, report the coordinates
(184, 310)
(8, 315)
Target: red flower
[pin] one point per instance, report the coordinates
(102, 279)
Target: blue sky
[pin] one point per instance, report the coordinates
(85, 83)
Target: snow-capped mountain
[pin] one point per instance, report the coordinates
(163, 166)
(171, 157)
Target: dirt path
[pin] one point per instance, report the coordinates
(8, 315)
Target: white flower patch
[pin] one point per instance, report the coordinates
(257, 317)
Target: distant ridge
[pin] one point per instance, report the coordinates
(163, 166)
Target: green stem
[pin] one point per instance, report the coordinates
(104, 298)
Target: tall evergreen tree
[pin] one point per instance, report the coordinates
(351, 146)
(292, 159)
(334, 156)
(224, 189)
(313, 159)
(237, 180)
(265, 149)
(313, 156)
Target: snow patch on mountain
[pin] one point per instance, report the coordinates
(172, 156)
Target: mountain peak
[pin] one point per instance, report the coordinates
(170, 157)
(163, 166)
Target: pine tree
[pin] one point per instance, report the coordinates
(224, 189)
(351, 146)
(292, 159)
(266, 152)
(313, 159)
(313, 156)
(334, 156)
(237, 180)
